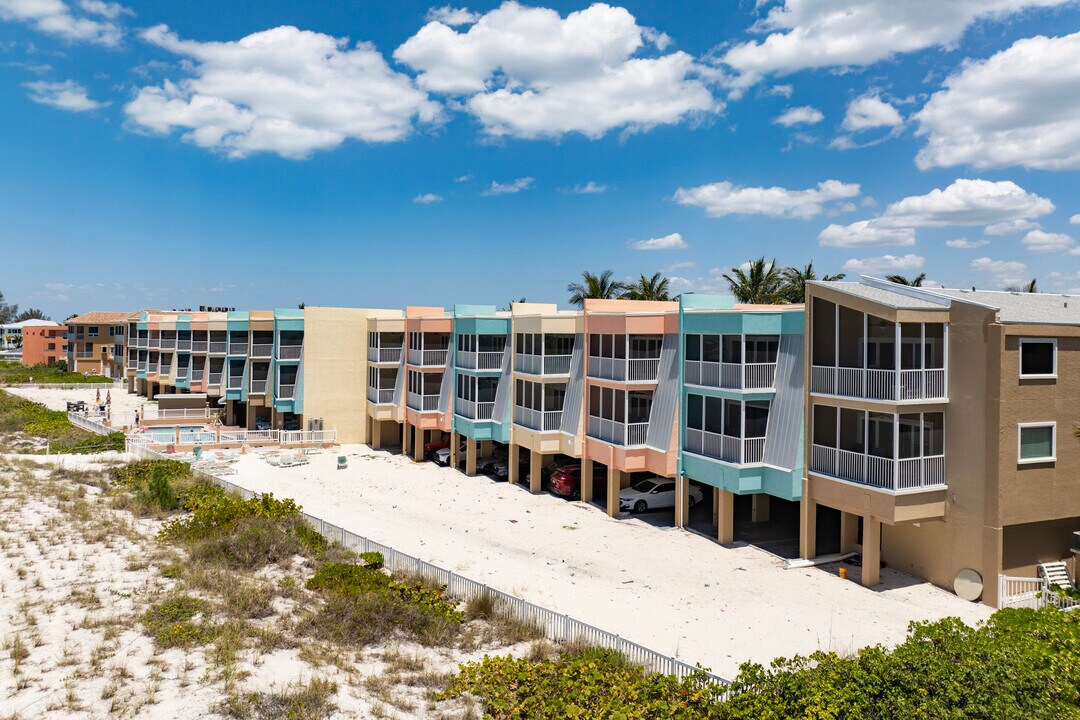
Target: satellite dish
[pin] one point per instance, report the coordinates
(968, 584)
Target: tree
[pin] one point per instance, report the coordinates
(795, 279)
(916, 281)
(8, 313)
(594, 287)
(1028, 287)
(648, 288)
(760, 284)
(32, 314)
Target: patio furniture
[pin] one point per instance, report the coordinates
(342, 462)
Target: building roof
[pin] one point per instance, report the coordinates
(99, 317)
(1021, 307)
(33, 322)
(899, 299)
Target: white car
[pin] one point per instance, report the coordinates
(653, 494)
(442, 455)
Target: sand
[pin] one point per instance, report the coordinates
(124, 404)
(674, 591)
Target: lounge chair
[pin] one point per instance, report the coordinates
(342, 462)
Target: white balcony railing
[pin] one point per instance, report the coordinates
(878, 472)
(428, 358)
(380, 396)
(473, 410)
(479, 360)
(618, 433)
(218, 347)
(237, 348)
(262, 350)
(286, 392)
(423, 403)
(623, 370)
(542, 420)
(384, 354)
(732, 376)
(738, 451)
(290, 352)
(199, 346)
(873, 384)
(258, 387)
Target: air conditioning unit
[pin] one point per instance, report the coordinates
(314, 424)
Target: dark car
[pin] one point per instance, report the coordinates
(566, 480)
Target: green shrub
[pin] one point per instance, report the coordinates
(354, 580)
(170, 622)
(373, 560)
(311, 538)
(155, 485)
(213, 511)
(14, 373)
(247, 544)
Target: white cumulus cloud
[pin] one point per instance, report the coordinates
(68, 95)
(1075, 219)
(1005, 272)
(804, 34)
(864, 234)
(870, 111)
(965, 244)
(884, 265)
(516, 186)
(1041, 242)
(726, 198)
(109, 10)
(285, 91)
(804, 115)
(589, 188)
(1009, 227)
(673, 241)
(427, 199)
(451, 16)
(782, 90)
(528, 72)
(1017, 107)
(55, 17)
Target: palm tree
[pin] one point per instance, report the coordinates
(594, 287)
(1028, 287)
(32, 314)
(760, 284)
(648, 288)
(916, 281)
(795, 279)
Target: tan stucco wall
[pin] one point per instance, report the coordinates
(1029, 544)
(335, 370)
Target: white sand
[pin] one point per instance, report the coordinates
(124, 404)
(674, 591)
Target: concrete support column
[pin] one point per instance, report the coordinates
(725, 518)
(759, 509)
(418, 444)
(249, 418)
(614, 485)
(871, 551)
(536, 463)
(376, 434)
(513, 463)
(485, 448)
(807, 527)
(682, 501)
(849, 532)
(406, 439)
(455, 450)
(586, 480)
(470, 456)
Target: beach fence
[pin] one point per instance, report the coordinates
(556, 626)
(86, 423)
(1034, 593)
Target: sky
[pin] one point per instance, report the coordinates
(383, 154)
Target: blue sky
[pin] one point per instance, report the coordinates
(172, 154)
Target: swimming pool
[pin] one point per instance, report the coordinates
(189, 434)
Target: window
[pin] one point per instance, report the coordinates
(1037, 442)
(1038, 358)
(92, 331)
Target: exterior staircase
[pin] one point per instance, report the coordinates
(1056, 574)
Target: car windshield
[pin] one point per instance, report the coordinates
(644, 486)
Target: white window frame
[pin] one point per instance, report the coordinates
(92, 331)
(1053, 374)
(1053, 443)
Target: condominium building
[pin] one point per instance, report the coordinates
(44, 343)
(97, 343)
(429, 377)
(741, 404)
(939, 428)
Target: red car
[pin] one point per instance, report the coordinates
(431, 447)
(566, 480)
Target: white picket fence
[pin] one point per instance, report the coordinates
(87, 424)
(237, 437)
(556, 626)
(115, 385)
(1028, 592)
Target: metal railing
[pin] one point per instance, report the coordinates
(423, 403)
(470, 360)
(617, 433)
(286, 392)
(879, 472)
(305, 437)
(542, 420)
(188, 413)
(728, 448)
(290, 352)
(218, 347)
(731, 376)
(624, 370)
(258, 387)
(874, 384)
(1034, 593)
(428, 358)
(542, 364)
(380, 396)
(556, 626)
(262, 350)
(87, 424)
(384, 354)
(473, 410)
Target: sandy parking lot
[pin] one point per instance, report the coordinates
(674, 591)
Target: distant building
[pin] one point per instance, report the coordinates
(96, 343)
(11, 334)
(44, 344)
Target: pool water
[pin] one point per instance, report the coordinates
(167, 434)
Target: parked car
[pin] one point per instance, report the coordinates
(496, 467)
(654, 494)
(261, 424)
(442, 455)
(566, 480)
(435, 445)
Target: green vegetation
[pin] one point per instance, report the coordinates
(171, 623)
(41, 426)
(13, 372)
(1020, 663)
(355, 580)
